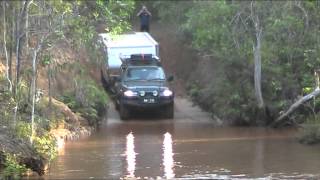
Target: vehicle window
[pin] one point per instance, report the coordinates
(144, 73)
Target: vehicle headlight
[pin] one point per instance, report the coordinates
(142, 93)
(130, 93)
(155, 93)
(167, 92)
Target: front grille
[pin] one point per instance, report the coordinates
(148, 94)
(148, 97)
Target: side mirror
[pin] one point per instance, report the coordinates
(170, 79)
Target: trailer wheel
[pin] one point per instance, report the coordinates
(169, 111)
(124, 112)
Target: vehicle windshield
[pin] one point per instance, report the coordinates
(144, 73)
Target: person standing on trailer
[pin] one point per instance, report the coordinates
(144, 15)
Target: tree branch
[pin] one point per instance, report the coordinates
(294, 106)
(298, 5)
(301, 101)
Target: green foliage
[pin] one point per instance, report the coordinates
(46, 60)
(193, 90)
(6, 108)
(2, 80)
(310, 133)
(43, 142)
(23, 130)
(225, 30)
(22, 95)
(69, 99)
(46, 145)
(206, 36)
(13, 169)
(88, 100)
(173, 13)
(9, 102)
(114, 14)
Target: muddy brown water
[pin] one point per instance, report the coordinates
(188, 147)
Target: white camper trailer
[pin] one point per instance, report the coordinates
(123, 45)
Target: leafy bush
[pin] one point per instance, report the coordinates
(43, 142)
(9, 102)
(23, 130)
(6, 108)
(225, 31)
(46, 145)
(193, 90)
(13, 170)
(310, 133)
(2, 81)
(89, 100)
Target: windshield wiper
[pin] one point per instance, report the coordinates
(135, 80)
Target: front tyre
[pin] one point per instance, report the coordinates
(169, 111)
(124, 112)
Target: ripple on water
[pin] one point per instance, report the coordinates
(227, 174)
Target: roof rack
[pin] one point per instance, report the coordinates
(140, 59)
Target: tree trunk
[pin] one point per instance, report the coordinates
(19, 39)
(49, 86)
(257, 58)
(33, 83)
(11, 45)
(33, 91)
(17, 50)
(26, 27)
(5, 45)
(18, 60)
(257, 70)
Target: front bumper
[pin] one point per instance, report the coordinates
(147, 102)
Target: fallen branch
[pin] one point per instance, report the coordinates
(294, 106)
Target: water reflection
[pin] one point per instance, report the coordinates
(198, 152)
(168, 161)
(60, 145)
(130, 156)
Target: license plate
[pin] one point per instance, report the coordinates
(149, 100)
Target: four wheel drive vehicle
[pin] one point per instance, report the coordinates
(132, 72)
(142, 84)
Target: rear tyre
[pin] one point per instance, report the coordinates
(124, 112)
(117, 105)
(169, 111)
